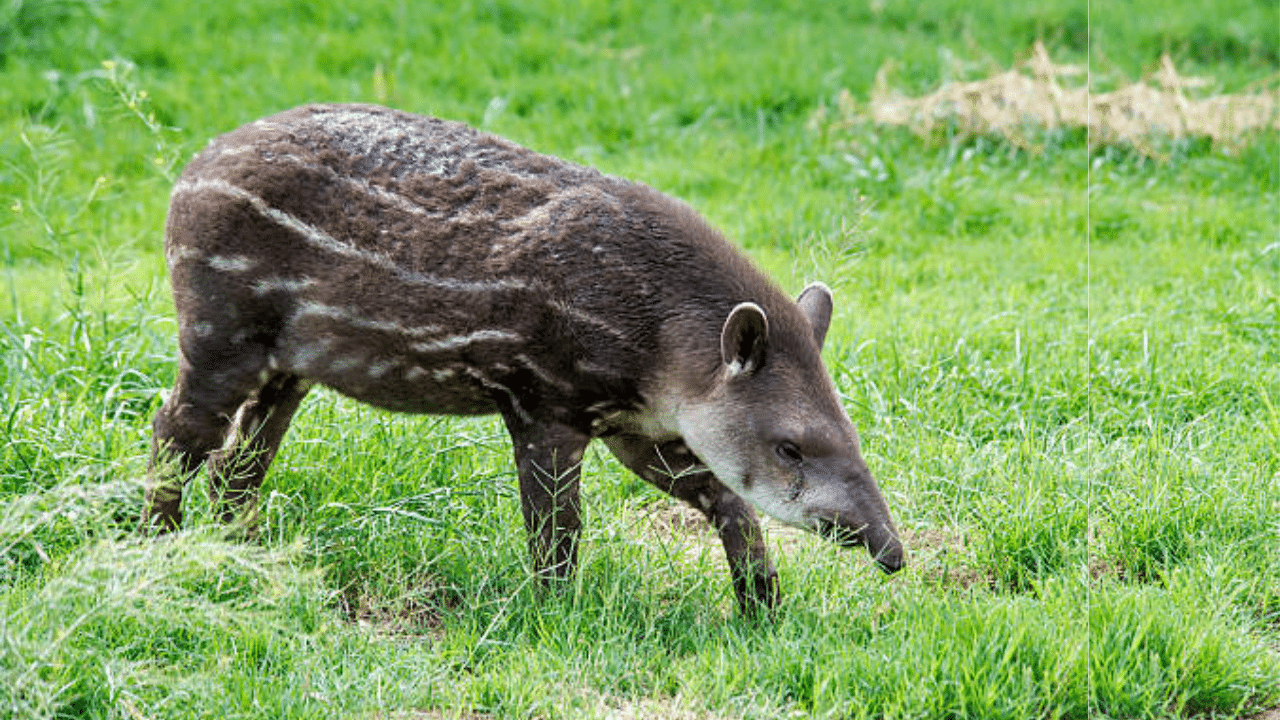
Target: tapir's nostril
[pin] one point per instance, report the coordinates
(889, 558)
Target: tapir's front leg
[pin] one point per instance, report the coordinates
(549, 462)
(675, 470)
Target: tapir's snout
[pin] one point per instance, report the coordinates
(880, 539)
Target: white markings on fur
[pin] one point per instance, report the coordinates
(358, 184)
(460, 341)
(414, 373)
(216, 153)
(346, 364)
(306, 356)
(321, 240)
(587, 318)
(266, 286)
(378, 368)
(347, 315)
(230, 263)
(443, 374)
(174, 254)
(384, 139)
(542, 374)
(491, 385)
(202, 329)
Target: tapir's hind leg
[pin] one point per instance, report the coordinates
(190, 425)
(676, 471)
(236, 473)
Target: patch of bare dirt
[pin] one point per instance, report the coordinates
(403, 618)
(1101, 567)
(677, 518)
(941, 556)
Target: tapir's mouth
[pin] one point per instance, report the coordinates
(880, 541)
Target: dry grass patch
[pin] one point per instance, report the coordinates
(1039, 95)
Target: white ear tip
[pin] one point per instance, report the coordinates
(816, 286)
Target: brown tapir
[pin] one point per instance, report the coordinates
(422, 266)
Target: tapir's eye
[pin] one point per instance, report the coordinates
(790, 452)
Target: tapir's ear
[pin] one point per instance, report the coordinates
(744, 339)
(815, 303)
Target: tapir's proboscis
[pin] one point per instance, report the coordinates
(422, 266)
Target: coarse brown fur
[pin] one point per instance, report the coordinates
(423, 266)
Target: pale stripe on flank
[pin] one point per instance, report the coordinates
(230, 263)
(490, 384)
(266, 286)
(321, 240)
(346, 315)
(459, 341)
(174, 254)
(542, 373)
(586, 317)
(343, 364)
(378, 368)
(304, 357)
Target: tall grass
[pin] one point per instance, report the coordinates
(1065, 370)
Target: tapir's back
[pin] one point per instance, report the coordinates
(421, 197)
(422, 265)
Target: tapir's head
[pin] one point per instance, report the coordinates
(771, 428)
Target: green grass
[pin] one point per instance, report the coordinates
(1065, 370)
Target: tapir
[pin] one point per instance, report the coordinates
(422, 266)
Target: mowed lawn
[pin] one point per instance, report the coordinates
(1064, 366)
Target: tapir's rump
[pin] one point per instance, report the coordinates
(423, 266)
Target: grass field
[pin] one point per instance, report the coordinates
(1065, 369)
